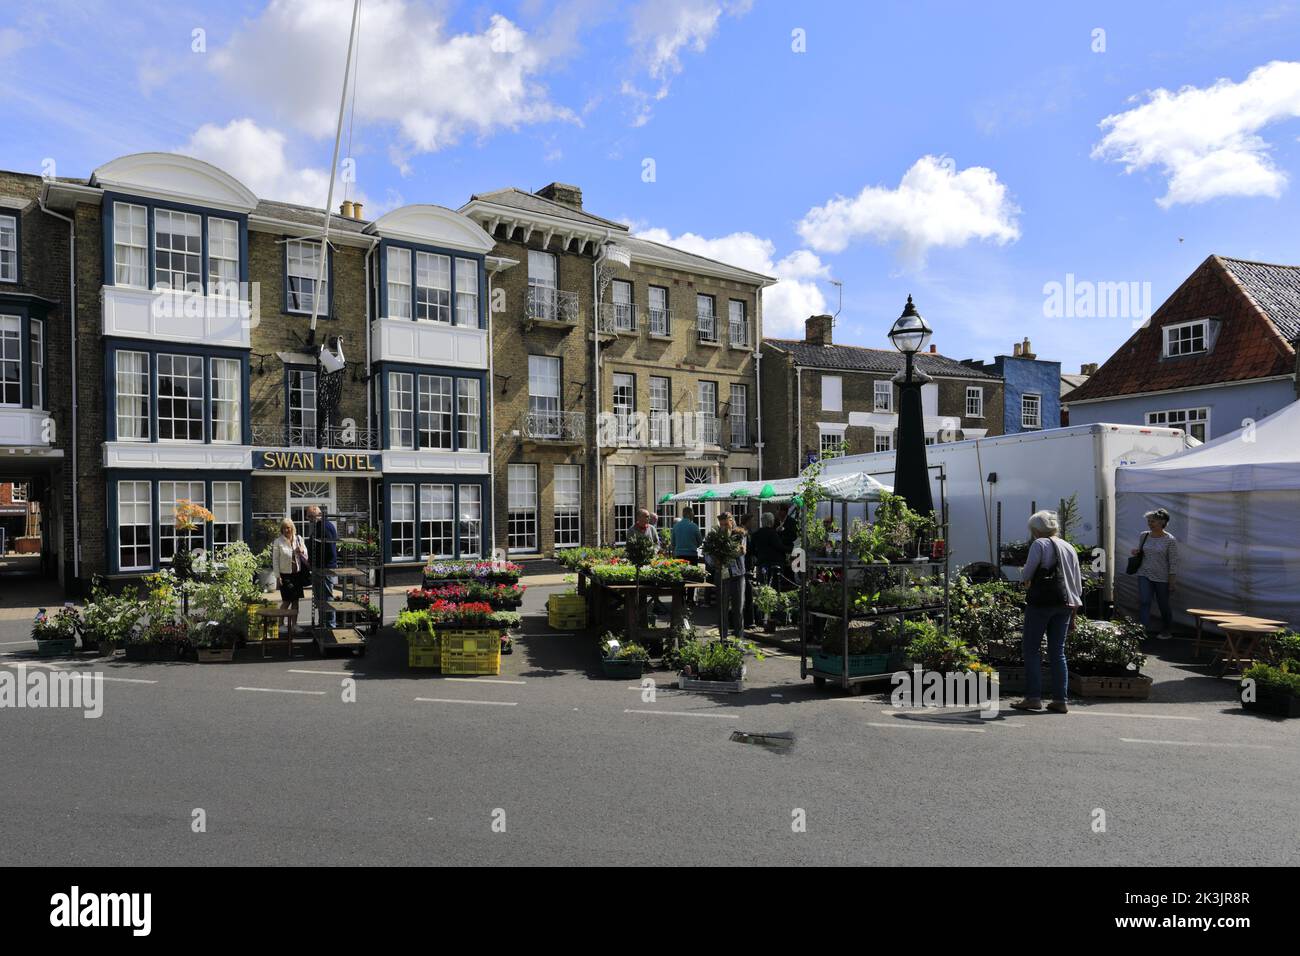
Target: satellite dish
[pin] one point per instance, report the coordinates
(333, 361)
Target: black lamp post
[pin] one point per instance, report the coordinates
(910, 335)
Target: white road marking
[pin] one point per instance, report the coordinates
(13, 643)
(280, 690)
(1111, 713)
(683, 713)
(454, 700)
(484, 680)
(929, 726)
(1195, 743)
(328, 673)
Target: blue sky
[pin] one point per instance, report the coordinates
(953, 151)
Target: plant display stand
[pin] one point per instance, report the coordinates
(350, 606)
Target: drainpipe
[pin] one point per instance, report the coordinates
(490, 506)
(72, 345)
(595, 359)
(758, 377)
(798, 421)
(371, 429)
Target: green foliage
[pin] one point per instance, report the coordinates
(625, 652)
(711, 660)
(111, 618)
(660, 573)
(224, 591)
(1105, 647)
(862, 640)
(574, 558)
(1284, 679)
(1283, 648)
(767, 601)
(1068, 515)
(722, 546)
(640, 548)
(934, 650)
(161, 605)
(65, 624)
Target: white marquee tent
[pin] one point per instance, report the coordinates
(1234, 506)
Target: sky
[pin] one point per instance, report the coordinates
(1000, 162)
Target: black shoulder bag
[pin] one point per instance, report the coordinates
(1135, 562)
(1047, 588)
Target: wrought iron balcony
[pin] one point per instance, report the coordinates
(660, 321)
(561, 427)
(707, 428)
(617, 317)
(706, 327)
(551, 305)
(334, 437)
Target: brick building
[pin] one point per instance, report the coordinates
(623, 370)
(819, 398)
(1031, 388)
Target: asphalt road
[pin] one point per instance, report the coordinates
(582, 770)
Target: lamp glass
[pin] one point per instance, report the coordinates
(910, 333)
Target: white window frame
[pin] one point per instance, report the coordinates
(469, 524)
(18, 493)
(401, 411)
(130, 245)
(665, 482)
(190, 376)
(9, 249)
(1184, 418)
(738, 415)
(1203, 324)
(622, 398)
(624, 502)
(1037, 420)
(223, 257)
(135, 502)
(624, 317)
(660, 319)
(11, 337)
(397, 268)
(141, 378)
(521, 508)
(706, 317)
(230, 423)
(468, 414)
(661, 407)
(706, 393)
(309, 493)
(833, 397)
(302, 435)
(227, 512)
(467, 293)
(163, 278)
(302, 262)
(171, 491)
(737, 324)
(829, 449)
(36, 344)
(545, 391)
(403, 521)
(433, 288)
(566, 507)
(974, 401)
(886, 393)
(436, 406)
(437, 508)
(883, 440)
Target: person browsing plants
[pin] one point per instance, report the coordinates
(1053, 598)
(1155, 562)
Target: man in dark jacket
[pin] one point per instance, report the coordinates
(768, 551)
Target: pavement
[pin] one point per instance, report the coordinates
(549, 763)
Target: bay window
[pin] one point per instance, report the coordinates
(177, 250)
(171, 539)
(180, 398)
(399, 283)
(134, 525)
(223, 257)
(467, 414)
(11, 387)
(38, 362)
(435, 411)
(133, 395)
(471, 521)
(401, 522)
(226, 400)
(437, 521)
(401, 411)
(227, 512)
(130, 245)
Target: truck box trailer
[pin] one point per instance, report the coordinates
(994, 484)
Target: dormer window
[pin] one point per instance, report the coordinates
(1187, 338)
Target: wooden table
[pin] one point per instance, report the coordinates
(1200, 613)
(1239, 643)
(270, 621)
(1220, 619)
(627, 592)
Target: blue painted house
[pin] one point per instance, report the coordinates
(1031, 398)
(1220, 351)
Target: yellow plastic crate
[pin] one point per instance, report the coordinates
(566, 604)
(471, 652)
(567, 622)
(423, 657)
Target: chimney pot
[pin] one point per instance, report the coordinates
(356, 210)
(1015, 350)
(345, 210)
(934, 349)
(817, 329)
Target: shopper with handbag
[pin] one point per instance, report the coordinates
(292, 569)
(1053, 598)
(1155, 562)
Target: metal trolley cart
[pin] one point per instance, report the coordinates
(355, 596)
(851, 570)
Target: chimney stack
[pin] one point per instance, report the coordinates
(356, 210)
(1088, 368)
(934, 349)
(1015, 350)
(563, 193)
(1025, 351)
(817, 329)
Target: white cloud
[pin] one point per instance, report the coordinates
(661, 31)
(256, 157)
(1206, 141)
(785, 305)
(411, 73)
(934, 205)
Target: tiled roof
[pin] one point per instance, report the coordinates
(686, 261)
(1251, 341)
(291, 212)
(1275, 289)
(1070, 381)
(531, 202)
(856, 358)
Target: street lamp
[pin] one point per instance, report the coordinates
(910, 334)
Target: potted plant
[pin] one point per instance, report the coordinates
(108, 620)
(622, 661)
(710, 666)
(56, 634)
(768, 602)
(869, 651)
(934, 650)
(187, 518)
(1105, 659)
(1271, 689)
(213, 642)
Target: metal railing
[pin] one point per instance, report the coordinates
(299, 436)
(551, 305)
(617, 317)
(661, 430)
(706, 327)
(556, 426)
(739, 433)
(739, 334)
(707, 428)
(660, 321)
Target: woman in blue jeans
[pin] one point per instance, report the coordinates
(1046, 552)
(1159, 550)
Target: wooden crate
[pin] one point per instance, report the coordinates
(1137, 687)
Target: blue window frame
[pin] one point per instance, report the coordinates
(137, 542)
(420, 412)
(141, 398)
(414, 517)
(408, 282)
(151, 207)
(26, 308)
(11, 246)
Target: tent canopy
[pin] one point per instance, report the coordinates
(1264, 456)
(856, 486)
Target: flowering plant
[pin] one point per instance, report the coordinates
(189, 514)
(472, 570)
(61, 626)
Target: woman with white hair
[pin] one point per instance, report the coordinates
(1054, 595)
